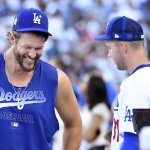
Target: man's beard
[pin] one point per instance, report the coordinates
(19, 59)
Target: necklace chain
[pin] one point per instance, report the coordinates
(19, 105)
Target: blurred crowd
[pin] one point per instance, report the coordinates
(74, 24)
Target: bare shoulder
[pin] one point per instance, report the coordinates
(65, 91)
(62, 78)
(64, 85)
(66, 103)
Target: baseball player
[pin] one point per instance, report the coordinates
(31, 89)
(125, 41)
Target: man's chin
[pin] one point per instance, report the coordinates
(28, 69)
(121, 69)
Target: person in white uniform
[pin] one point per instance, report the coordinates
(125, 41)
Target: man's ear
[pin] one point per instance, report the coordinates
(11, 38)
(124, 47)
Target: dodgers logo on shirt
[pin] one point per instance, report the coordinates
(128, 114)
(8, 99)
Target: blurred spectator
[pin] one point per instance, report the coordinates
(96, 115)
(61, 65)
(145, 9)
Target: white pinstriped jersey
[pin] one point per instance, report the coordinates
(134, 93)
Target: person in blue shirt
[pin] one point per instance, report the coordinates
(32, 89)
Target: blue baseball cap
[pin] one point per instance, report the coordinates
(122, 29)
(31, 19)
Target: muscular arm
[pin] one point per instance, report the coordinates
(67, 107)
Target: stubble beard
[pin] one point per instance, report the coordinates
(121, 66)
(19, 60)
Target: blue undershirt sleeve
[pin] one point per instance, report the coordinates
(131, 142)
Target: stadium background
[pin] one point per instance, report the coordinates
(74, 24)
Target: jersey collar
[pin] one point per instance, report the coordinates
(140, 67)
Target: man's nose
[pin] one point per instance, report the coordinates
(32, 53)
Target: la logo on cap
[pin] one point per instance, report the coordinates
(37, 19)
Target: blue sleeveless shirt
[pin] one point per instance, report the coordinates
(33, 126)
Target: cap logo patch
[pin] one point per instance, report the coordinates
(116, 36)
(37, 19)
(142, 36)
(15, 21)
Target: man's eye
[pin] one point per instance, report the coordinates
(27, 47)
(38, 49)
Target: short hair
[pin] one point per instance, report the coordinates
(17, 35)
(136, 44)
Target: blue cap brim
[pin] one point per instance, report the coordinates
(33, 29)
(102, 38)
